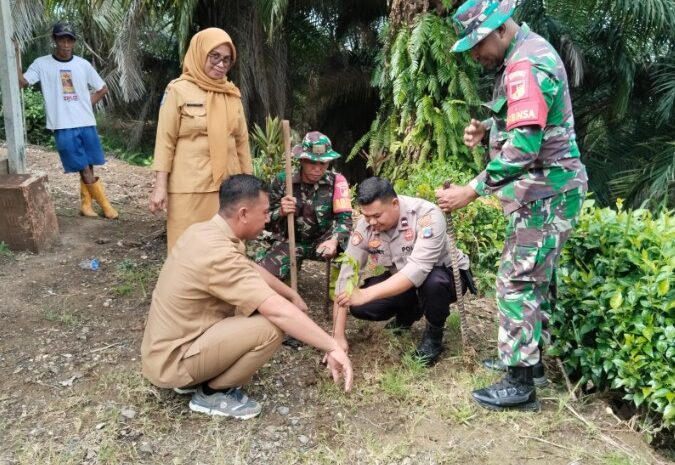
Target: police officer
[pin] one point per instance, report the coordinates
(535, 171)
(321, 204)
(406, 236)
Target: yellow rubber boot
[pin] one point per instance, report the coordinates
(85, 202)
(96, 191)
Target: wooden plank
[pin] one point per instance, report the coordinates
(11, 94)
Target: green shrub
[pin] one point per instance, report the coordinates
(267, 146)
(479, 226)
(427, 96)
(616, 286)
(114, 144)
(35, 120)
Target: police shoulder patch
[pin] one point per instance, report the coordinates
(425, 221)
(357, 238)
(427, 232)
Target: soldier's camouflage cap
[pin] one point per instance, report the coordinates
(475, 19)
(316, 147)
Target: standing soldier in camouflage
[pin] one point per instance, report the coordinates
(536, 172)
(320, 202)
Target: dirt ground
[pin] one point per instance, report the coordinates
(71, 391)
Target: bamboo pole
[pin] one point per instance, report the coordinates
(286, 129)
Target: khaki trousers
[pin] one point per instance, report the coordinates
(184, 210)
(232, 350)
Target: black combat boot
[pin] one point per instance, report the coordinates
(538, 372)
(515, 391)
(431, 345)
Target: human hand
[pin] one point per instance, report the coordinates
(474, 133)
(454, 197)
(340, 367)
(342, 344)
(287, 205)
(327, 249)
(158, 200)
(358, 297)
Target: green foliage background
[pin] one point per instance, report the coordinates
(480, 226)
(35, 119)
(616, 320)
(426, 93)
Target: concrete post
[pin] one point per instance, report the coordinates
(11, 94)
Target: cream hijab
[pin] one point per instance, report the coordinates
(217, 91)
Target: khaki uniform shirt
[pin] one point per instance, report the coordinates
(206, 278)
(182, 146)
(417, 244)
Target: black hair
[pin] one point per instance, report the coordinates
(239, 188)
(373, 189)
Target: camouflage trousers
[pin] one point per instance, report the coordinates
(526, 280)
(273, 255)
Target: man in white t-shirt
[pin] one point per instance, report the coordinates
(66, 81)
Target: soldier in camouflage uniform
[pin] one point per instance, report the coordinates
(536, 172)
(320, 202)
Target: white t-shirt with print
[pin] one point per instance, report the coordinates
(65, 87)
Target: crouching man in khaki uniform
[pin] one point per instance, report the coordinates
(216, 317)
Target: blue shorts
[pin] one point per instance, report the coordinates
(79, 148)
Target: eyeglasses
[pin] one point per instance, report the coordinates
(215, 58)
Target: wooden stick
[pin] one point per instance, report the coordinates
(571, 389)
(286, 128)
(327, 302)
(468, 352)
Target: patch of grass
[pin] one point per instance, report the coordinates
(50, 453)
(617, 459)
(134, 277)
(5, 251)
(65, 317)
(395, 383)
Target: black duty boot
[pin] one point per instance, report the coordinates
(538, 372)
(515, 391)
(431, 345)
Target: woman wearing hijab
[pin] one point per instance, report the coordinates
(202, 136)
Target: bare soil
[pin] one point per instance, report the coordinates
(71, 389)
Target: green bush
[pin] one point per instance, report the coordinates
(479, 227)
(35, 120)
(616, 286)
(114, 144)
(267, 146)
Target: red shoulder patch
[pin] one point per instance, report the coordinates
(525, 102)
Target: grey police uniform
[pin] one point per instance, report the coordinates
(418, 248)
